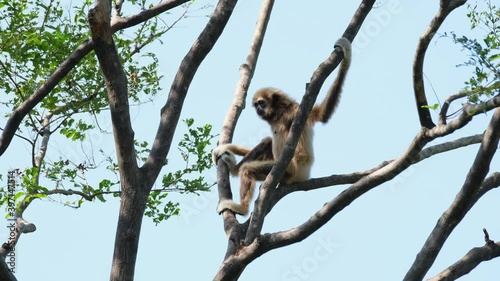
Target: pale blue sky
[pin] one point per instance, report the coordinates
(375, 238)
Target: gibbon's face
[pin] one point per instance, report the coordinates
(261, 107)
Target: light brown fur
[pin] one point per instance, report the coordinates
(279, 110)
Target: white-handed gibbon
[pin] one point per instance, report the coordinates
(279, 110)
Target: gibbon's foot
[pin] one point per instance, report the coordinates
(221, 152)
(232, 206)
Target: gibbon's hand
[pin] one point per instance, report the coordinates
(222, 152)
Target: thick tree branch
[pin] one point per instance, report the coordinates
(445, 9)
(464, 200)
(332, 180)
(313, 88)
(134, 197)
(493, 181)
(376, 176)
(247, 70)
(17, 228)
(116, 83)
(320, 218)
(171, 111)
(5, 273)
(21, 226)
(67, 65)
(234, 265)
(231, 226)
(468, 262)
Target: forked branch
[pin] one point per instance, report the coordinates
(312, 90)
(170, 113)
(331, 208)
(234, 264)
(247, 69)
(464, 200)
(351, 178)
(468, 262)
(445, 9)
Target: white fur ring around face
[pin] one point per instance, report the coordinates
(222, 152)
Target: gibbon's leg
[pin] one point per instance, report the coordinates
(254, 166)
(261, 152)
(290, 172)
(257, 171)
(250, 172)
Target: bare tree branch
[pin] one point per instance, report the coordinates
(468, 112)
(16, 229)
(448, 146)
(119, 23)
(331, 208)
(464, 200)
(118, 9)
(443, 114)
(5, 273)
(445, 9)
(247, 70)
(493, 181)
(116, 82)
(333, 180)
(137, 183)
(468, 262)
(171, 111)
(444, 110)
(313, 88)
(234, 265)
(134, 197)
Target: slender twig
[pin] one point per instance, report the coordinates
(472, 259)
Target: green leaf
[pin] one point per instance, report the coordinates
(433, 107)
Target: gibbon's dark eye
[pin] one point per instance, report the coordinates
(260, 103)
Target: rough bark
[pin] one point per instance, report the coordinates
(171, 111)
(246, 242)
(313, 88)
(424, 114)
(136, 182)
(238, 255)
(472, 259)
(231, 226)
(133, 198)
(464, 200)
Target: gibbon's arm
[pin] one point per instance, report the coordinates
(226, 152)
(238, 150)
(249, 173)
(324, 111)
